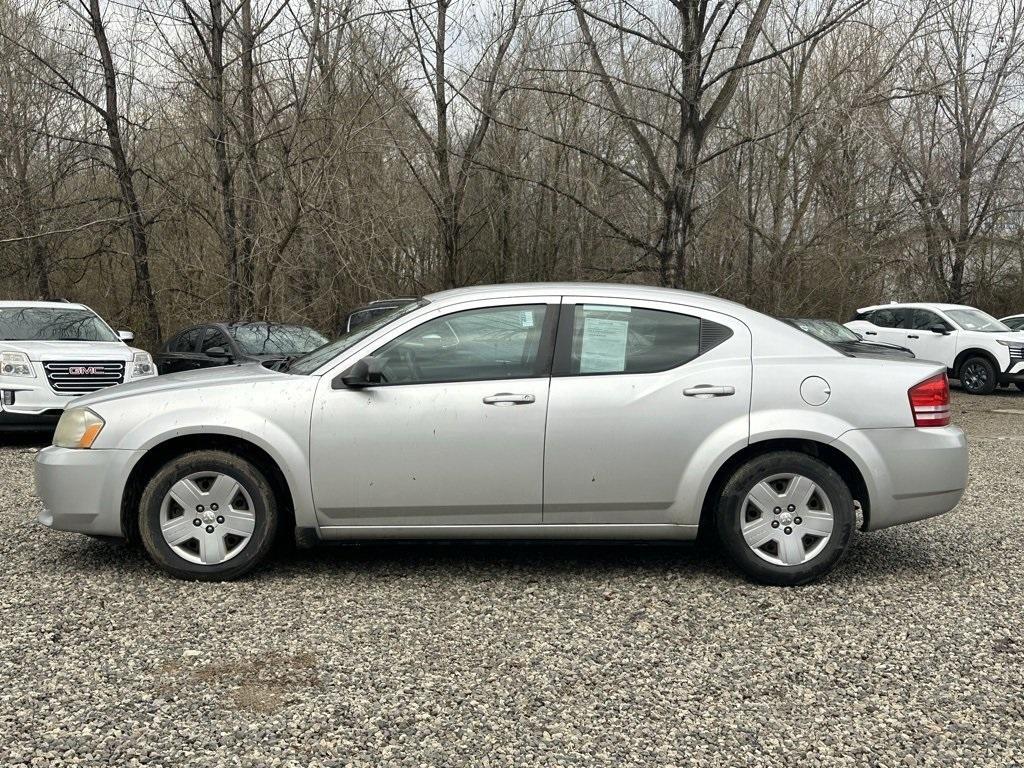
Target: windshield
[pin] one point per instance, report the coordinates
(976, 320)
(271, 339)
(52, 324)
(306, 365)
(828, 331)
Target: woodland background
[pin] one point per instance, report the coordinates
(169, 161)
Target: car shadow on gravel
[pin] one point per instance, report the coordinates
(874, 558)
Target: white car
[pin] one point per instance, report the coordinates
(52, 352)
(1013, 322)
(977, 349)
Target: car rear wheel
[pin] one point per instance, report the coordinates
(786, 518)
(977, 376)
(208, 516)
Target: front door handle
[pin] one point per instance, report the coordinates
(507, 398)
(870, 333)
(709, 390)
(912, 336)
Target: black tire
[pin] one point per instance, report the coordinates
(977, 376)
(264, 509)
(1019, 385)
(732, 511)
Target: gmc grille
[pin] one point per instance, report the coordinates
(1017, 353)
(80, 378)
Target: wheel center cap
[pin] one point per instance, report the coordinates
(209, 517)
(785, 518)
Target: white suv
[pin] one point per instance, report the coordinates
(976, 348)
(52, 352)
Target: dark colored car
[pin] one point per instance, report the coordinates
(842, 338)
(370, 312)
(213, 344)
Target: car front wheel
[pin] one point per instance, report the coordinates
(208, 516)
(786, 518)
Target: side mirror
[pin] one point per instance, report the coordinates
(218, 352)
(126, 336)
(365, 373)
(940, 329)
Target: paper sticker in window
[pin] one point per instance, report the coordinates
(604, 345)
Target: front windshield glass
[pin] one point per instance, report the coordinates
(976, 320)
(828, 331)
(306, 365)
(52, 324)
(273, 339)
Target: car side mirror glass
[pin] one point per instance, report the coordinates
(218, 352)
(941, 329)
(126, 336)
(367, 372)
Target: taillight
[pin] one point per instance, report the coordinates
(929, 402)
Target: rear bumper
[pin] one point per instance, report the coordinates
(81, 489)
(911, 473)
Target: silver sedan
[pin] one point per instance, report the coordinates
(567, 411)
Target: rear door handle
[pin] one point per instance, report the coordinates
(507, 398)
(912, 336)
(709, 390)
(870, 333)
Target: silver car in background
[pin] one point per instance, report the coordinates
(568, 411)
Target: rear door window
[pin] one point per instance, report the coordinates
(611, 339)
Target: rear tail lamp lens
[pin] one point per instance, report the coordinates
(929, 402)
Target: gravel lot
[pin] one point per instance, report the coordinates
(911, 654)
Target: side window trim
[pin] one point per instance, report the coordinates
(545, 352)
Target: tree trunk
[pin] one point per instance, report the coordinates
(225, 181)
(246, 256)
(143, 288)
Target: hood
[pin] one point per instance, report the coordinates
(224, 376)
(39, 351)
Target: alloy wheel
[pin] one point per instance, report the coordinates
(974, 377)
(786, 519)
(207, 518)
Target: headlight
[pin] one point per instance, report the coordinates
(142, 365)
(77, 428)
(1011, 344)
(16, 364)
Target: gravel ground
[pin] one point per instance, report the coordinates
(911, 654)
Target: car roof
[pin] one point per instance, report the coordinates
(916, 305)
(41, 305)
(617, 290)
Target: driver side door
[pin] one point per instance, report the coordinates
(454, 436)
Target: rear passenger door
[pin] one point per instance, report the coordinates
(890, 325)
(645, 397)
(925, 343)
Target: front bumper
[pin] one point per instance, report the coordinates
(911, 473)
(81, 490)
(12, 421)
